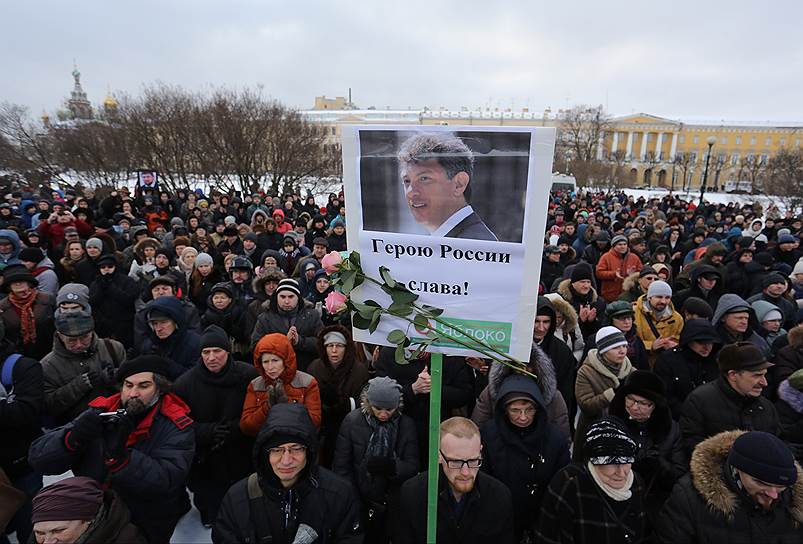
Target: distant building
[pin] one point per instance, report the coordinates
(78, 104)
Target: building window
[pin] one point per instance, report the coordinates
(334, 131)
(721, 158)
(797, 143)
(782, 142)
(738, 140)
(752, 140)
(693, 156)
(695, 140)
(768, 142)
(723, 140)
(734, 159)
(682, 139)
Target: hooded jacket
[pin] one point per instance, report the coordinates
(790, 416)
(21, 407)
(299, 386)
(182, 347)
(707, 505)
(727, 303)
(523, 459)
(320, 499)
(711, 297)
(559, 354)
(569, 332)
(10, 258)
(592, 300)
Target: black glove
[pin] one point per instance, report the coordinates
(277, 394)
(86, 427)
(380, 465)
(221, 431)
(115, 436)
(647, 462)
(93, 378)
(329, 394)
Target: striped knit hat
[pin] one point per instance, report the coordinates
(609, 443)
(608, 338)
(288, 284)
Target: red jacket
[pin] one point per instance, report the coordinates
(55, 231)
(609, 264)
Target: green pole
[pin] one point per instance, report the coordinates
(436, 373)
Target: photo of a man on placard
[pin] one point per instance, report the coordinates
(436, 172)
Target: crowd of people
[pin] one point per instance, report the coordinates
(173, 350)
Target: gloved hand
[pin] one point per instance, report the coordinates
(86, 427)
(221, 431)
(647, 462)
(329, 394)
(115, 436)
(276, 393)
(380, 465)
(96, 379)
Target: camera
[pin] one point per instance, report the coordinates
(112, 417)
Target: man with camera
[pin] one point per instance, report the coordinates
(139, 441)
(53, 229)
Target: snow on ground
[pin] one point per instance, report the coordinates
(718, 198)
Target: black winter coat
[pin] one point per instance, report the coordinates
(112, 298)
(182, 347)
(487, 516)
(707, 506)
(152, 481)
(577, 511)
(192, 321)
(307, 322)
(213, 399)
(20, 410)
(320, 499)
(457, 389)
(525, 460)
(790, 417)
(716, 407)
(683, 371)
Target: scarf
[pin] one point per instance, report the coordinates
(24, 307)
(618, 495)
(383, 436)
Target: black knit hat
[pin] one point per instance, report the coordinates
(645, 384)
(765, 457)
(581, 271)
(222, 287)
(609, 443)
(288, 284)
(215, 337)
(768, 280)
(143, 363)
(31, 255)
(698, 307)
(106, 258)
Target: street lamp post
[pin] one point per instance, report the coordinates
(711, 141)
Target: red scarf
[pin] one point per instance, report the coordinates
(24, 308)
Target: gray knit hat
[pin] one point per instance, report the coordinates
(97, 243)
(608, 338)
(384, 392)
(659, 289)
(74, 293)
(618, 238)
(203, 258)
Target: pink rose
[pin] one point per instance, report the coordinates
(335, 301)
(331, 262)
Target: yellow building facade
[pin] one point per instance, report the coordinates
(657, 151)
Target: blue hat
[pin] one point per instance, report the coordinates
(765, 457)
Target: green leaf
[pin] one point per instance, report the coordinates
(386, 277)
(354, 259)
(399, 357)
(400, 310)
(403, 297)
(366, 310)
(372, 303)
(375, 321)
(432, 310)
(348, 283)
(360, 322)
(396, 336)
(421, 321)
(358, 279)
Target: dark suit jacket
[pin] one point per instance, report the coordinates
(472, 227)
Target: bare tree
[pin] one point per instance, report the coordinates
(784, 177)
(751, 168)
(684, 164)
(24, 147)
(95, 152)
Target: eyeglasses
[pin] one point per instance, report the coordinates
(294, 451)
(636, 402)
(457, 464)
(521, 411)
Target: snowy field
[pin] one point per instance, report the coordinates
(718, 198)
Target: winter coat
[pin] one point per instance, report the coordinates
(594, 390)
(21, 406)
(682, 371)
(562, 359)
(299, 387)
(306, 321)
(182, 347)
(43, 309)
(726, 303)
(456, 392)
(569, 332)
(636, 352)
(788, 359)
(576, 511)
(47, 278)
(375, 490)
(192, 321)
(487, 515)
(320, 499)
(54, 232)
(112, 298)
(661, 459)
(716, 407)
(787, 307)
(790, 417)
(707, 505)
(667, 327)
(631, 290)
(151, 480)
(67, 392)
(576, 300)
(213, 399)
(540, 365)
(233, 320)
(525, 460)
(609, 264)
(16, 245)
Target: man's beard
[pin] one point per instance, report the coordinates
(136, 407)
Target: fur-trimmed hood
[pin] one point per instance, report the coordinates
(708, 479)
(569, 314)
(539, 364)
(564, 291)
(791, 396)
(142, 244)
(631, 282)
(795, 336)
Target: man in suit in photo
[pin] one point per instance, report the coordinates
(436, 171)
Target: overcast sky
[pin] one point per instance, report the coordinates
(705, 60)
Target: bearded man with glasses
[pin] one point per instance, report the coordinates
(473, 507)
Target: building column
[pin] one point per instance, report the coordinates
(659, 142)
(643, 153)
(629, 146)
(673, 150)
(615, 142)
(600, 143)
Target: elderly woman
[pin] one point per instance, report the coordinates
(600, 499)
